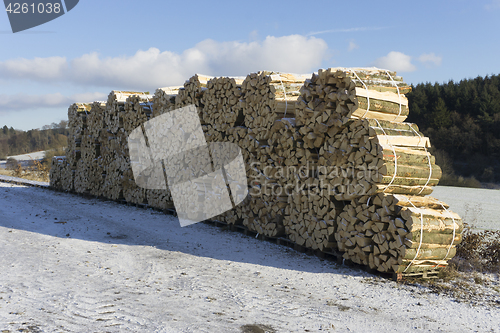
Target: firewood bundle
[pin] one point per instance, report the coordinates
(55, 172)
(81, 183)
(192, 93)
(67, 177)
(372, 156)
(265, 210)
(269, 96)
(115, 109)
(333, 97)
(77, 117)
(221, 103)
(95, 120)
(137, 110)
(164, 100)
(96, 176)
(310, 217)
(398, 233)
(77, 123)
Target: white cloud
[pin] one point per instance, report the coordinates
(429, 59)
(494, 4)
(353, 46)
(45, 69)
(147, 70)
(31, 102)
(395, 61)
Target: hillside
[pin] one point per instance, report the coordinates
(17, 142)
(462, 119)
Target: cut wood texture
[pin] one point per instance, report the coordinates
(371, 156)
(397, 233)
(164, 100)
(221, 103)
(330, 162)
(333, 97)
(269, 96)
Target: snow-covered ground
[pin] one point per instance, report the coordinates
(25, 158)
(480, 207)
(70, 264)
(31, 156)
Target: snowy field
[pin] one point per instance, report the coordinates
(70, 264)
(480, 207)
(24, 158)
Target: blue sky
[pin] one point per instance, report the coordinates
(143, 45)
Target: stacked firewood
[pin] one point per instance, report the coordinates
(398, 233)
(330, 162)
(373, 156)
(269, 96)
(221, 103)
(333, 97)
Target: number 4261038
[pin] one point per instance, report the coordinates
(41, 8)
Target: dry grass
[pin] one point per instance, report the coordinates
(38, 171)
(479, 251)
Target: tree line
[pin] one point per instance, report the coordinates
(17, 142)
(462, 119)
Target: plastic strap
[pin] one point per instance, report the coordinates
(428, 159)
(395, 157)
(421, 236)
(367, 93)
(399, 94)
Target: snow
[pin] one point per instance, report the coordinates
(71, 264)
(24, 158)
(38, 155)
(478, 207)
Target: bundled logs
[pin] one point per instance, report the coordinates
(269, 96)
(398, 233)
(372, 156)
(164, 100)
(221, 103)
(192, 93)
(329, 160)
(333, 97)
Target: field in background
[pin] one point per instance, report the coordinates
(479, 207)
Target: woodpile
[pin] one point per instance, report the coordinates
(269, 96)
(333, 97)
(398, 233)
(330, 162)
(164, 100)
(221, 103)
(372, 156)
(192, 93)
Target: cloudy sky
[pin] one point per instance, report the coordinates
(103, 45)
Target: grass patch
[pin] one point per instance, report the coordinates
(479, 251)
(257, 328)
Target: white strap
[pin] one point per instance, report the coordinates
(399, 94)
(428, 159)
